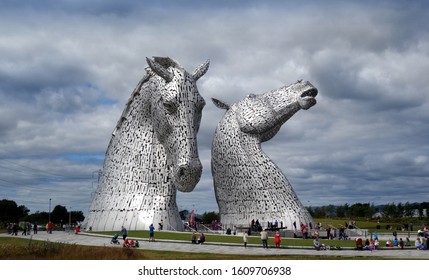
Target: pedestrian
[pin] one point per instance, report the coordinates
(316, 244)
(372, 245)
(401, 243)
(151, 232)
(24, 230)
(15, 230)
(277, 239)
(194, 238)
(376, 244)
(35, 228)
(245, 238)
(407, 242)
(202, 239)
(264, 238)
(50, 227)
(419, 245)
(124, 233)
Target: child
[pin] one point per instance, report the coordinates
(376, 244)
(126, 243)
(277, 239)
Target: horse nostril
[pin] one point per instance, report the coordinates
(181, 172)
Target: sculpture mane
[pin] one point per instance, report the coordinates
(152, 152)
(248, 185)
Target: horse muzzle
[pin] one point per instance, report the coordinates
(186, 176)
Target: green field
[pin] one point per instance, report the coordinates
(371, 225)
(21, 249)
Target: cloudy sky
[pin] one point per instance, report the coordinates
(68, 67)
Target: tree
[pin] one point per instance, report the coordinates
(357, 210)
(340, 212)
(346, 210)
(9, 211)
(39, 217)
(390, 210)
(319, 212)
(370, 211)
(22, 211)
(408, 209)
(209, 217)
(184, 214)
(77, 216)
(400, 210)
(330, 210)
(420, 211)
(59, 214)
(310, 210)
(425, 205)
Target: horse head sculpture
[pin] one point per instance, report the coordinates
(153, 151)
(248, 185)
(176, 115)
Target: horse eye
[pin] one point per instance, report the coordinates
(170, 107)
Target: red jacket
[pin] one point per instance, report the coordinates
(277, 238)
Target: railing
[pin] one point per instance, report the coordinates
(207, 228)
(187, 227)
(357, 232)
(170, 227)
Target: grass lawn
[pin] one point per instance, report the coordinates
(370, 225)
(21, 249)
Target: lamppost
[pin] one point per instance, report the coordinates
(70, 216)
(49, 210)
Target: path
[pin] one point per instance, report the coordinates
(221, 248)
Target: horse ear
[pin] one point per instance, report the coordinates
(201, 70)
(220, 104)
(160, 70)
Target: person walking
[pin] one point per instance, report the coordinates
(124, 233)
(24, 230)
(15, 229)
(264, 238)
(151, 232)
(245, 238)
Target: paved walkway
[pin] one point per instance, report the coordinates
(221, 248)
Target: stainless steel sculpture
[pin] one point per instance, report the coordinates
(248, 185)
(152, 152)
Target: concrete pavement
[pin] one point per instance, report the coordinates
(91, 239)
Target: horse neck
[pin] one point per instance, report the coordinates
(230, 143)
(134, 142)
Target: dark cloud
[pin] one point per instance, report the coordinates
(68, 67)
